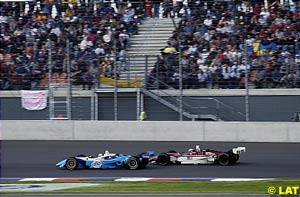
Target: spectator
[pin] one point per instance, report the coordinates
(276, 78)
(123, 64)
(260, 78)
(234, 79)
(202, 79)
(297, 80)
(87, 80)
(168, 8)
(296, 117)
(170, 49)
(291, 79)
(156, 6)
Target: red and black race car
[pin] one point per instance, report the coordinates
(199, 156)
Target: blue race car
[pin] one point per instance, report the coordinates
(106, 161)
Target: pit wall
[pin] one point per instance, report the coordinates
(150, 131)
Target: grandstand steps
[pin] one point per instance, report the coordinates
(163, 28)
(153, 36)
(141, 39)
(139, 61)
(145, 51)
(146, 32)
(148, 45)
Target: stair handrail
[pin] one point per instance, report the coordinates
(188, 107)
(228, 107)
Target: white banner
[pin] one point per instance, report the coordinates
(34, 100)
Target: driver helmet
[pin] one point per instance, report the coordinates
(106, 153)
(190, 150)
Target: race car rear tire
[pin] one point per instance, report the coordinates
(133, 163)
(233, 157)
(144, 162)
(224, 159)
(163, 159)
(71, 163)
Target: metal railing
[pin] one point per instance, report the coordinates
(207, 108)
(221, 110)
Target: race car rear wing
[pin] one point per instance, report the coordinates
(239, 150)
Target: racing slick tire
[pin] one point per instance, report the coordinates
(143, 161)
(233, 157)
(163, 159)
(71, 163)
(132, 163)
(174, 151)
(224, 159)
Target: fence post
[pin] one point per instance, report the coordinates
(138, 103)
(146, 72)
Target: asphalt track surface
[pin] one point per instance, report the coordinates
(35, 159)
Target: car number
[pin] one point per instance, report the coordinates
(97, 163)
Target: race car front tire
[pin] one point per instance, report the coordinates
(132, 163)
(224, 159)
(71, 163)
(163, 159)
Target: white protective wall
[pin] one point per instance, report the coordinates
(150, 131)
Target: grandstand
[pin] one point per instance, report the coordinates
(98, 45)
(218, 40)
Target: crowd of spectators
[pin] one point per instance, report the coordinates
(217, 39)
(34, 40)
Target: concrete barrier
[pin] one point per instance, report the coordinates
(150, 131)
